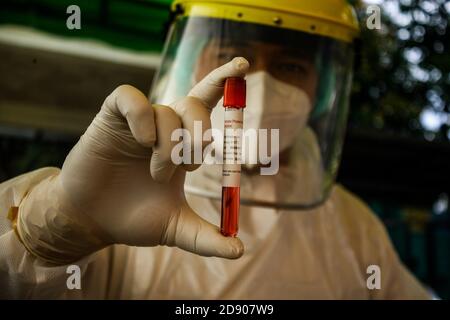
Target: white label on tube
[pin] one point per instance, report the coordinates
(232, 147)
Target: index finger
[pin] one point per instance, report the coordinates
(210, 89)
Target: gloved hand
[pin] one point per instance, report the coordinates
(118, 185)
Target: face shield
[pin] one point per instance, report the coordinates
(297, 101)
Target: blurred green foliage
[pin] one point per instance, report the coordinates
(402, 82)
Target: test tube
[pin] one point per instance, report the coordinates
(234, 104)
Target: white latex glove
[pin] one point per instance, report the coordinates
(105, 193)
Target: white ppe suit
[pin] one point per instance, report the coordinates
(321, 253)
(318, 254)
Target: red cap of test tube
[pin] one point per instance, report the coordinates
(234, 92)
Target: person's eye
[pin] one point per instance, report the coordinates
(292, 67)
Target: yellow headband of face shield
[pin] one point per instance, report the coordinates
(331, 18)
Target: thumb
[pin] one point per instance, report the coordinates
(190, 232)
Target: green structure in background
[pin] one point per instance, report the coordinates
(135, 24)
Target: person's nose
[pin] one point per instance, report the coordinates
(264, 63)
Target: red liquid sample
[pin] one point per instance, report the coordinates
(230, 211)
(234, 104)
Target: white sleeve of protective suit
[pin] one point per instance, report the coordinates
(21, 274)
(373, 247)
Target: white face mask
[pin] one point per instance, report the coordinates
(271, 104)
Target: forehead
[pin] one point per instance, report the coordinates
(220, 34)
